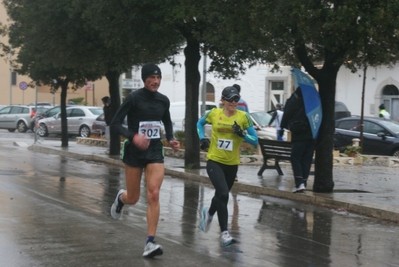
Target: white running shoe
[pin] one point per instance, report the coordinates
(227, 240)
(116, 208)
(206, 220)
(299, 189)
(151, 250)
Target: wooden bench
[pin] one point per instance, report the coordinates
(273, 149)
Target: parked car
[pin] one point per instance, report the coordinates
(98, 126)
(40, 104)
(50, 112)
(38, 115)
(380, 137)
(16, 117)
(79, 118)
(261, 121)
(341, 111)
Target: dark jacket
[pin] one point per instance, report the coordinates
(295, 109)
(107, 115)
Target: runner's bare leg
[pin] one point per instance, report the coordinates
(154, 174)
(133, 177)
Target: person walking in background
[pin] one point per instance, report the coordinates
(242, 105)
(383, 113)
(277, 116)
(143, 149)
(303, 144)
(107, 117)
(230, 127)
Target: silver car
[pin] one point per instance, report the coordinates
(16, 117)
(79, 121)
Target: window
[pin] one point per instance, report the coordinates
(16, 110)
(372, 128)
(277, 85)
(350, 125)
(5, 110)
(69, 112)
(78, 113)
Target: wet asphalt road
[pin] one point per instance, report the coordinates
(54, 211)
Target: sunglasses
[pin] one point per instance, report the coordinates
(233, 99)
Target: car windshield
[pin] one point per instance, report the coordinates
(262, 118)
(391, 125)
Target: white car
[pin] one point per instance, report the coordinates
(260, 120)
(79, 119)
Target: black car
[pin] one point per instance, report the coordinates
(341, 111)
(380, 136)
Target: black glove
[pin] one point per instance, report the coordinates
(204, 143)
(237, 130)
(281, 132)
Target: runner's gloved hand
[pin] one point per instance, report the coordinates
(204, 143)
(237, 130)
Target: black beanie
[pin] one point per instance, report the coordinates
(149, 69)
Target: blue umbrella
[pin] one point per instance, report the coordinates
(311, 99)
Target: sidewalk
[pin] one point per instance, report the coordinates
(369, 190)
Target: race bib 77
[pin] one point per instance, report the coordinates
(225, 144)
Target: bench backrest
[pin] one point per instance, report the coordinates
(275, 149)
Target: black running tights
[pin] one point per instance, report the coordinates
(222, 177)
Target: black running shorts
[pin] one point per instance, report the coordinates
(135, 157)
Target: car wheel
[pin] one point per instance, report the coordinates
(42, 131)
(11, 130)
(396, 153)
(84, 131)
(21, 126)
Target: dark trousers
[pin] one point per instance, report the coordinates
(222, 177)
(301, 160)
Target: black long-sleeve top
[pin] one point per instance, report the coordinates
(142, 105)
(295, 108)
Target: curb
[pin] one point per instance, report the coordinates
(318, 199)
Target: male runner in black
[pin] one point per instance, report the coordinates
(143, 149)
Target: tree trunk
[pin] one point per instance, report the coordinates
(323, 181)
(192, 55)
(64, 124)
(113, 80)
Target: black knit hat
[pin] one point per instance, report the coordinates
(149, 69)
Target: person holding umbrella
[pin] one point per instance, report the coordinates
(303, 143)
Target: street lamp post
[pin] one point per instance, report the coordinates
(10, 76)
